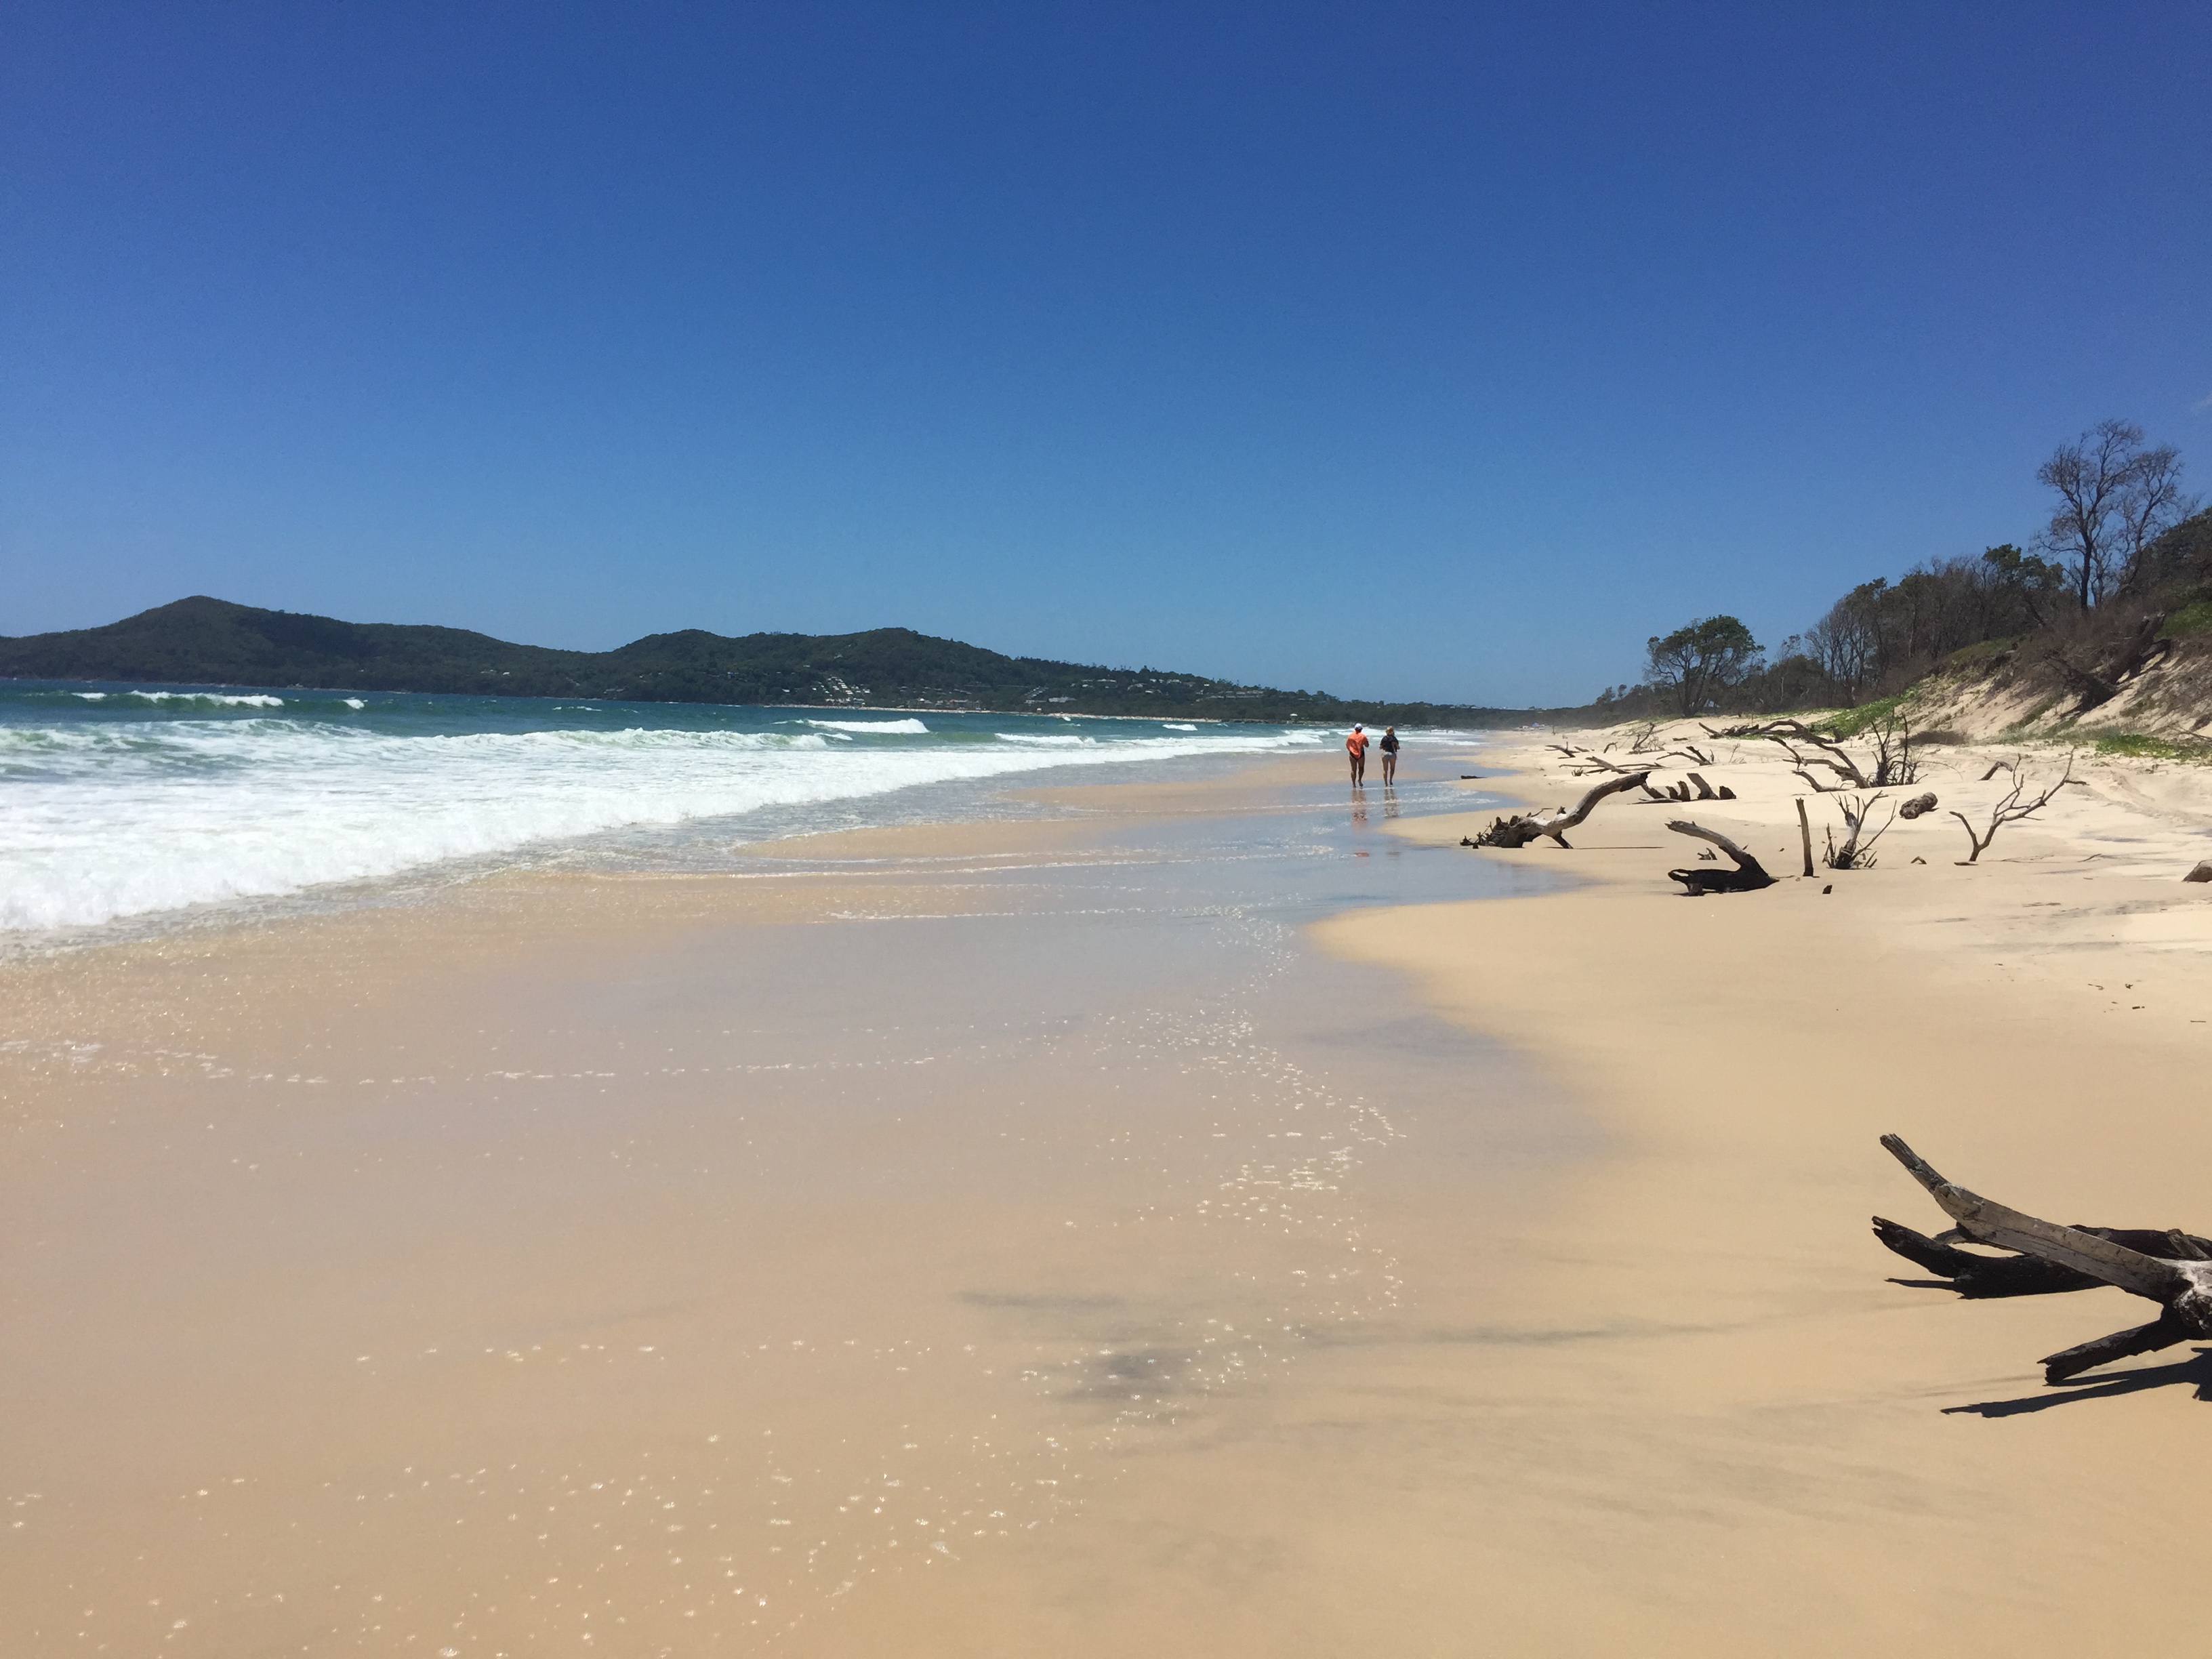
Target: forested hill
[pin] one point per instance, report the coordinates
(204, 641)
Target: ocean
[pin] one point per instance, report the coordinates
(141, 802)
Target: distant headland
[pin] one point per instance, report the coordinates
(208, 642)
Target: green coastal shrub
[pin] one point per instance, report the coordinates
(2190, 619)
(1967, 655)
(1852, 721)
(2143, 746)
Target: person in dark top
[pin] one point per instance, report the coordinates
(1389, 748)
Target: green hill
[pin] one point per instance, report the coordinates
(204, 641)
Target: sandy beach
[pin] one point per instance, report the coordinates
(1231, 1219)
(710, 1263)
(1731, 1435)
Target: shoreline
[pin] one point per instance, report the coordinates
(973, 1202)
(699, 842)
(855, 708)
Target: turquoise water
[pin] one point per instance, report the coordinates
(138, 800)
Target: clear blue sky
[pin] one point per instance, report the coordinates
(1433, 351)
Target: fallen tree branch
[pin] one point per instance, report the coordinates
(1748, 876)
(2172, 1268)
(1520, 830)
(1981, 1277)
(1893, 761)
(1857, 851)
(2010, 810)
(1582, 762)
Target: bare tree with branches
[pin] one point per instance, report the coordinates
(1699, 662)
(2011, 809)
(2114, 497)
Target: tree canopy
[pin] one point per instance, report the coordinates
(1699, 661)
(2115, 494)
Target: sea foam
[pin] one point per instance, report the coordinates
(112, 815)
(880, 728)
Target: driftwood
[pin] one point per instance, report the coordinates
(2011, 810)
(2202, 873)
(1893, 761)
(1582, 762)
(1519, 832)
(1918, 806)
(1681, 791)
(1747, 876)
(2170, 1267)
(1857, 851)
(1788, 734)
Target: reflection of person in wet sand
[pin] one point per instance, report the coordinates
(1355, 746)
(1389, 748)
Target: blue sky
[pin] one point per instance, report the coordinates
(1428, 352)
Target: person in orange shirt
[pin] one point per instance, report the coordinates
(1356, 747)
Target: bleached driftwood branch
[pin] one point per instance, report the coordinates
(1520, 830)
(2172, 1268)
(1748, 876)
(2011, 810)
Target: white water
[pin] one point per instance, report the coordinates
(101, 820)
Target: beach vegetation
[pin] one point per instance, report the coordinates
(2191, 619)
(1701, 663)
(1981, 651)
(2119, 574)
(1852, 721)
(2141, 745)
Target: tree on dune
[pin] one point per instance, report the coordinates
(2115, 497)
(1697, 662)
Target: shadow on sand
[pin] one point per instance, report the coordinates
(2196, 1372)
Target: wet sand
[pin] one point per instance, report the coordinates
(949, 1240)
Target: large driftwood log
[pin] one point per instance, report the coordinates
(1748, 876)
(1520, 830)
(1979, 1277)
(2170, 1267)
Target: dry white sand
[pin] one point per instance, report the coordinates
(1731, 1435)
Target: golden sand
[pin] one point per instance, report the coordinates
(1011, 1238)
